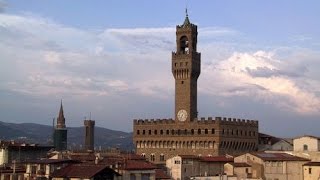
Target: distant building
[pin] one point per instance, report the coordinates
(159, 140)
(306, 143)
(89, 135)
(44, 168)
(311, 171)
(271, 143)
(60, 132)
(188, 166)
(279, 166)
(86, 172)
(20, 152)
(239, 170)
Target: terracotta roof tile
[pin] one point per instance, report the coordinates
(312, 164)
(160, 174)
(216, 159)
(80, 171)
(138, 165)
(278, 157)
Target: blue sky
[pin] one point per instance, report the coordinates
(260, 60)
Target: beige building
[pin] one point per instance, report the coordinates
(188, 166)
(272, 166)
(306, 143)
(238, 170)
(311, 171)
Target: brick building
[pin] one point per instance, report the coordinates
(161, 139)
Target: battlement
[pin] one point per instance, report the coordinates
(209, 120)
(89, 122)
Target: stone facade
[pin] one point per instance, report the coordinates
(161, 139)
(306, 144)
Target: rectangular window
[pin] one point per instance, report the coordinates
(310, 170)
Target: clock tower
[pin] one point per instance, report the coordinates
(186, 70)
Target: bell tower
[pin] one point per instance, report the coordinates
(186, 70)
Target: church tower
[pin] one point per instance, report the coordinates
(186, 70)
(60, 132)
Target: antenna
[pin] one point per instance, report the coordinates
(90, 116)
(186, 8)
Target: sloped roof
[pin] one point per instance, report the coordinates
(52, 161)
(160, 174)
(81, 171)
(216, 159)
(278, 157)
(240, 164)
(312, 164)
(138, 165)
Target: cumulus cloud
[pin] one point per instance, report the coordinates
(261, 76)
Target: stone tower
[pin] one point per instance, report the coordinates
(186, 70)
(89, 135)
(60, 132)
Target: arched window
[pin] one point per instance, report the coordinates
(161, 131)
(192, 131)
(152, 157)
(167, 131)
(184, 45)
(138, 132)
(213, 131)
(143, 132)
(199, 131)
(155, 132)
(172, 132)
(206, 131)
(149, 132)
(305, 147)
(161, 157)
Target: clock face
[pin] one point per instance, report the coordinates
(182, 115)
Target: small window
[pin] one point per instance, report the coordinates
(161, 131)
(305, 147)
(155, 132)
(152, 157)
(212, 131)
(199, 131)
(182, 82)
(144, 132)
(206, 131)
(149, 132)
(161, 157)
(138, 132)
(310, 170)
(167, 132)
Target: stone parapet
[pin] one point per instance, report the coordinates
(209, 120)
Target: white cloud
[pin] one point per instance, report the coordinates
(234, 77)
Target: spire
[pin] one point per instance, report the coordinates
(61, 119)
(186, 20)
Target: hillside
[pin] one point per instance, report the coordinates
(42, 134)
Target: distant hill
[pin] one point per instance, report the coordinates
(42, 134)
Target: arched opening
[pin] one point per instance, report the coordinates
(184, 45)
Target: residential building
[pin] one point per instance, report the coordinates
(306, 143)
(239, 170)
(44, 168)
(187, 166)
(270, 166)
(20, 152)
(311, 171)
(86, 172)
